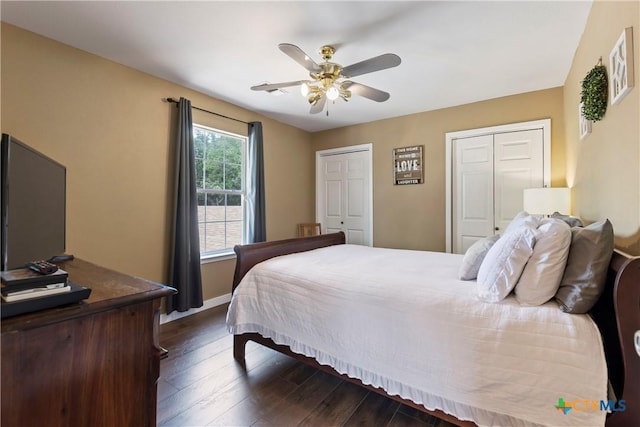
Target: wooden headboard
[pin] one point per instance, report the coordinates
(617, 315)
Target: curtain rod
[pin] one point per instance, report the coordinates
(175, 101)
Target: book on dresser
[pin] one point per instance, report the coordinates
(23, 283)
(43, 291)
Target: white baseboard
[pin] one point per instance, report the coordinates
(210, 303)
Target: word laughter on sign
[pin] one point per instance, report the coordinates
(407, 165)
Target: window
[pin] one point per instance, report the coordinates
(220, 183)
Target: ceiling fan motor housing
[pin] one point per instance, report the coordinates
(327, 52)
(329, 74)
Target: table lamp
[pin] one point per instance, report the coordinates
(547, 200)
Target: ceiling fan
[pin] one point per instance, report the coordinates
(330, 80)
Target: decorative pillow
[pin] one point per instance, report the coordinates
(474, 256)
(541, 276)
(586, 271)
(504, 263)
(572, 221)
(522, 219)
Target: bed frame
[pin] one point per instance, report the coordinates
(617, 314)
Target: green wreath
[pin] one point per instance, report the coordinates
(594, 93)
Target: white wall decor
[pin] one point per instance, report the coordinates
(621, 66)
(584, 124)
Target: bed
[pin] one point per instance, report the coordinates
(450, 371)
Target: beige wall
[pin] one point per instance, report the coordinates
(108, 125)
(604, 167)
(413, 216)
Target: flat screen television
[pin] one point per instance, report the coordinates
(33, 205)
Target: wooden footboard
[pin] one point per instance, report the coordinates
(617, 314)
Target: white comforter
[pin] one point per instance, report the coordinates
(400, 320)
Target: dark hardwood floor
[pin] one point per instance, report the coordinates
(201, 384)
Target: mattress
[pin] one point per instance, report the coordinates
(402, 321)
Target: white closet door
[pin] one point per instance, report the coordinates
(343, 199)
(330, 197)
(490, 174)
(473, 189)
(518, 158)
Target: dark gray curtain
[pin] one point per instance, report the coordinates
(257, 230)
(185, 273)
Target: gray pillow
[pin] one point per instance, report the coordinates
(586, 271)
(572, 221)
(474, 256)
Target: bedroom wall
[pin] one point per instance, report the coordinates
(604, 167)
(413, 216)
(108, 125)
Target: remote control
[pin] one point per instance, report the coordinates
(61, 258)
(42, 267)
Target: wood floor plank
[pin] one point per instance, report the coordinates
(165, 389)
(192, 332)
(190, 325)
(213, 405)
(424, 417)
(300, 402)
(262, 395)
(403, 420)
(375, 410)
(338, 407)
(176, 365)
(300, 373)
(184, 374)
(205, 387)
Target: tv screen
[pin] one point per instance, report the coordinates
(33, 205)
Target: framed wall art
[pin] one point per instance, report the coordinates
(584, 123)
(407, 165)
(621, 67)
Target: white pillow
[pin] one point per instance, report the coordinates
(541, 276)
(504, 263)
(522, 219)
(474, 256)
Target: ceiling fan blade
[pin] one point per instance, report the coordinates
(366, 91)
(300, 57)
(275, 86)
(382, 62)
(319, 105)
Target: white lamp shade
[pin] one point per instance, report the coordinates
(333, 93)
(304, 89)
(545, 201)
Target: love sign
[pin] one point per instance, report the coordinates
(407, 165)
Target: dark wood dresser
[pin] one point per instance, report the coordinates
(95, 363)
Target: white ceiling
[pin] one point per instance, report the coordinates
(452, 52)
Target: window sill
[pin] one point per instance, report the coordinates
(223, 256)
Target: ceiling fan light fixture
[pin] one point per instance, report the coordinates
(333, 93)
(304, 89)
